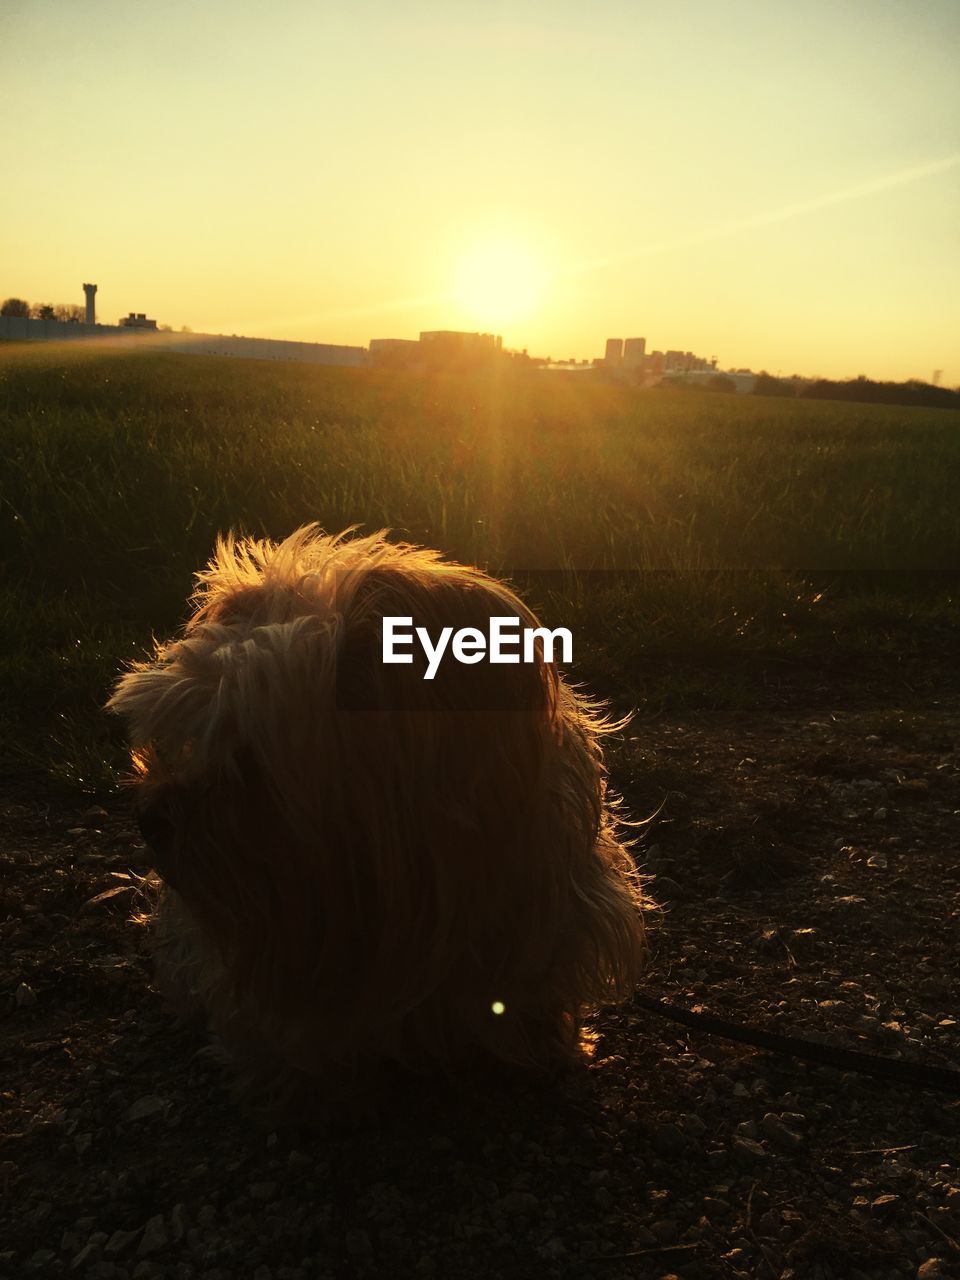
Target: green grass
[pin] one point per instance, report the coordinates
(694, 535)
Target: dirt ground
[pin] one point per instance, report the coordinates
(807, 860)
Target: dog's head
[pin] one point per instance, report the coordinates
(358, 841)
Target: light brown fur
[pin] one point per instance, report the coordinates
(357, 865)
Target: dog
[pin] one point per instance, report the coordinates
(358, 869)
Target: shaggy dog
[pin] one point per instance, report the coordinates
(359, 868)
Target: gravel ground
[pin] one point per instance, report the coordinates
(810, 876)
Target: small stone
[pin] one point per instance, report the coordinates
(263, 1191)
(665, 1231)
(178, 1222)
(933, 1269)
(885, 1205)
(668, 1140)
(24, 997)
(91, 1251)
(518, 1202)
(878, 861)
(666, 886)
(715, 1208)
(207, 1215)
(747, 1129)
(147, 1270)
(694, 1126)
(71, 1242)
(879, 815)
(748, 1149)
(119, 1243)
(41, 1259)
(778, 1132)
(40, 1214)
(81, 1142)
(143, 1108)
(154, 1236)
(768, 1224)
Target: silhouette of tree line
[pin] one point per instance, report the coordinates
(863, 390)
(41, 310)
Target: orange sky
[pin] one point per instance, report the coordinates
(771, 183)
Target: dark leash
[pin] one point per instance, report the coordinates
(868, 1064)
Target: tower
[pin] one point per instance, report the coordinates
(91, 316)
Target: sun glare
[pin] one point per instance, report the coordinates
(499, 283)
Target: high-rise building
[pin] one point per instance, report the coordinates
(634, 350)
(614, 352)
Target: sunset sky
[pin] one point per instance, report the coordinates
(770, 182)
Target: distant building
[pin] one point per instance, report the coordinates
(137, 320)
(613, 353)
(90, 310)
(454, 340)
(634, 352)
(394, 352)
(379, 346)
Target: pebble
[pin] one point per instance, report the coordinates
(143, 1108)
(518, 1202)
(24, 997)
(694, 1126)
(119, 1243)
(154, 1236)
(884, 1205)
(748, 1149)
(178, 1222)
(147, 1270)
(933, 1269)
(91, 1251)
(778, 1132)
(665, 1230)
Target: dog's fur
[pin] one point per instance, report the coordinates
(358, 867)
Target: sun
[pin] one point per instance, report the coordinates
(498, 283)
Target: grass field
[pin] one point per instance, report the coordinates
(690, 540)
